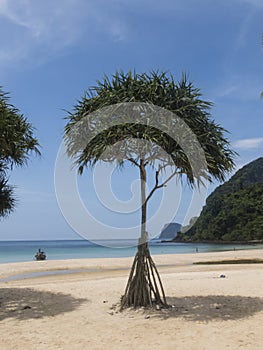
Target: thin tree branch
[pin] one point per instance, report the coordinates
(155, 157)
(133, 162)
(168, 179)
(157, 186)
(161, 167)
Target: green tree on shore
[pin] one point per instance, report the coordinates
(17, 142)
(199, 150)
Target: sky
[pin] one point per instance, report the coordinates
(51, 52)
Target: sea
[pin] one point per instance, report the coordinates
(21, 251)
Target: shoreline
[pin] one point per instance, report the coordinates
(78, 310)
(168, 261)
(55, 252)
(253, 242)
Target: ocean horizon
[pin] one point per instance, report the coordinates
(22, 251)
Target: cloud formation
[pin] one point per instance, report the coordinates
(249, 143)
(40, 29)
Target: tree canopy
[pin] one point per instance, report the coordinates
(7, 200)
(17, 142)
(154, 89)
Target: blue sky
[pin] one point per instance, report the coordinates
(52, 51)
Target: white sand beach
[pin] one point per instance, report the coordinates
(77, 310)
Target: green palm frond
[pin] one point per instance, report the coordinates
(16, 134)
(7, 200)
(157, 89)
(17, 142)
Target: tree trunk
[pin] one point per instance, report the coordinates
(144, 236)
(144, 287)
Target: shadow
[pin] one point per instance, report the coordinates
(27, 303)
(211, 307)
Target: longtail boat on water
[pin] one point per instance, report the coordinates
(40, 255)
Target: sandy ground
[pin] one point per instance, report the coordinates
(76, 310)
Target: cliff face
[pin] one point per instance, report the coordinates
(234, 211)
(169, 231)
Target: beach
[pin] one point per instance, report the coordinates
(73, 304)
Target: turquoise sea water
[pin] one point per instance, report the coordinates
(18, 251)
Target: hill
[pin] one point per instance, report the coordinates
(169, 231)
(234, 211)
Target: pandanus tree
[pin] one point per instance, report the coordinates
(7, 200)
(17, 142)
(152, 122)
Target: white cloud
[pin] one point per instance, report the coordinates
(46, 21)
(242, 37)
(239, 88)
(249, 143)
(39, 29)
(228, 90)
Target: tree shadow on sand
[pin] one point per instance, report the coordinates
(27, 303)
(211, 307)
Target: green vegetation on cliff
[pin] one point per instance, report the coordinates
(234, 211)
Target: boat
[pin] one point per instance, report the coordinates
(40, 255)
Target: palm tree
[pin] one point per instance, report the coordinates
(7, 201)
(17, 142)
(150, 121)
